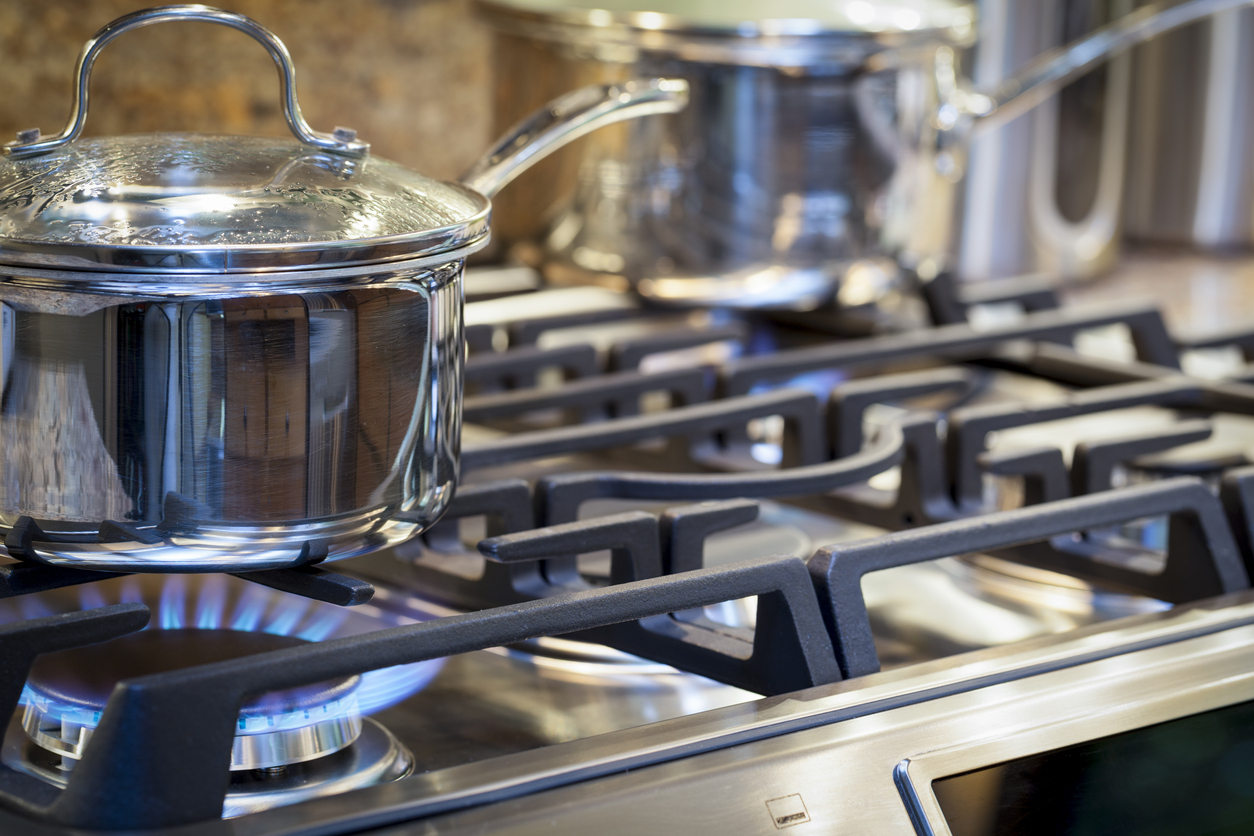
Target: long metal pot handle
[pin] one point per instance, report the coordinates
(1055, 69)
(559, 122)
(963, 110)
(342, 141)
(566, 119)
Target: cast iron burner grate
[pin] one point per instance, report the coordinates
(812, 622)
(812, 629)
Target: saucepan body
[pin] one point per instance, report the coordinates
(230, 431)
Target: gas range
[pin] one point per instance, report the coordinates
(888, 573)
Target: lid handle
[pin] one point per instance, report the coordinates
(342, 141)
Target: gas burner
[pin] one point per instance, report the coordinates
(289, 746)
(68, 691)
(220, 603)
(375, 757)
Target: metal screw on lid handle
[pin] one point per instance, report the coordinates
(342, 141)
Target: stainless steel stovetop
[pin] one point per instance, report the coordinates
(709, 573)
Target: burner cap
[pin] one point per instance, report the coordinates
(68, 691)
(377, 757)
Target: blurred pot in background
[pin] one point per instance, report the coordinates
(821, 145)
(781, 177)
(1158, 145)
(1045, 193)
(1191, 138)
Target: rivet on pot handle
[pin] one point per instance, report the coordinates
(566, 119)
(342, 141)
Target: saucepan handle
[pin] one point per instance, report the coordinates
(342, 141)
(1054, 70)
(1075, 247)
(566, 119)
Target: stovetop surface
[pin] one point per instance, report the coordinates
(595, 431)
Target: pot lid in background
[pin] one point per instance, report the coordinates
(753, 18)
(201, 203)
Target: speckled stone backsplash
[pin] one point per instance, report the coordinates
(411, 76)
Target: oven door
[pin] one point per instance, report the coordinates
(1156, 741)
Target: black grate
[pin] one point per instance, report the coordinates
(812, 623)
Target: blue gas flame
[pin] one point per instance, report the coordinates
(254, 608)
(91, 598)
(252, 605)
(321, 628)
(31, 607)
(286, 616)
(130, 592)
(210, 602)
(173, 597)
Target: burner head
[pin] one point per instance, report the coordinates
(68, 690)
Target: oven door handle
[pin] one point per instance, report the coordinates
(1202, 557)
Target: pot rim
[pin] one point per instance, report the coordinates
(145, 264)
(203, 284)
(767, 42)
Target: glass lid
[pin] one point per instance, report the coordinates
(179, 203)
(191, 202)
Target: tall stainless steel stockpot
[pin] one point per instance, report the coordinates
(1159, 149)
(237, 353)
(1191, 150)
(824, 140)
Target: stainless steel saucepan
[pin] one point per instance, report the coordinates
(825, 139)
(238, 353)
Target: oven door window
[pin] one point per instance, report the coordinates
(1188, 777)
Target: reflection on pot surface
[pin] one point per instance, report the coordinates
(206, 421)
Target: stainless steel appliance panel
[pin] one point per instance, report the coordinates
(1191, 141)
(862, 774)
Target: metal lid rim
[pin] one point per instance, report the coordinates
(246, 259)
